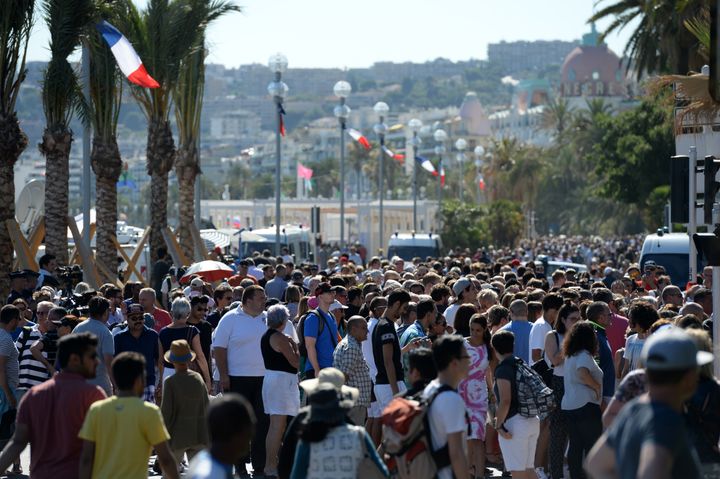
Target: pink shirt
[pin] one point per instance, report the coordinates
(54, 412)
(616, 332)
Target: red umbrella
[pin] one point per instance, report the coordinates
(209, 271)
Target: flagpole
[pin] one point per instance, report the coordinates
(86, 171)
(342, 90)
(278, 89)
(381, 108)
(415, 126)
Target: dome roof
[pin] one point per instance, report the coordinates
(592, 63)
(473, 116)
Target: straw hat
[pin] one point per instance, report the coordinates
(179, 352)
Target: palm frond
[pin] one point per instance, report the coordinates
(16, 23)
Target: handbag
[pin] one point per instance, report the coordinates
(542, 368)
(7, 424)
(367, 469)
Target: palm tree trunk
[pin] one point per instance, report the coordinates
(107, 165)
(12, 143)
(160, 159)
(187, 170)
(56, 148)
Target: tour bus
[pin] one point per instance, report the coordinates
(410, 245)
(295, 238)
(672, 252)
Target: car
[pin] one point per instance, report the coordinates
(411, 245)
(672, 252)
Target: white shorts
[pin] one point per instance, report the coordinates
(384, 394)
(280, 393)
(374, 410)
(519, 452)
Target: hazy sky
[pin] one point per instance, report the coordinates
(340, 33)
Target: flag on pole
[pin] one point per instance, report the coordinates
(482, 184)
(395, 156)
(281, 126)
(126, 56)
(304, 172)
(308, 184)
(357, 136)
(426, 165)
(442, 176)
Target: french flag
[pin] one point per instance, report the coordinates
(126, 57)
(426, 165)
(357, 136)
(395, 156)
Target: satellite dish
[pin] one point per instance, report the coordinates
(30, 206)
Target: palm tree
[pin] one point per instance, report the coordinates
(556, 117)
(163, 34)
(188, 97)
(62, 99)
(659, 43)
(105, 96)
(15, 27)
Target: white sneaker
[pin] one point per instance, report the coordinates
(540, 473)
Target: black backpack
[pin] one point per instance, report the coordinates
(301, 330)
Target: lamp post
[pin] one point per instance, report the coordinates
(278, 89)
(460, 146)
(342, 90)
(440, 136)
(381, 108)
(415, 126)
(479, 152)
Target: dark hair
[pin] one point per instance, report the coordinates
(496, 314)
(566, 310)
(422, 360)
(462, 319)
(581, 337)
(503, 342)
(688, 321)
(97, 306)
(126, 368)
(57, 313)
(353, 293)
(229, 416)
(643, 315)
(424, 307)
(595, 309)
(439, 291)
(195, 300)
(45, 259)
(75, 343)
(446, 349)
(552, 301)
(398, 296)
(481, 319)
(221, 290)
(8, 313)
(602, 294)
(250, 291)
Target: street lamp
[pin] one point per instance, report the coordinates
(440, 137)
(342, 90)
(460, 146)
(415, 125)
(381, 108)
(479, 152)
(278, 89)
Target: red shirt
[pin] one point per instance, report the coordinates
(54, 412)
(162, 319)
(616, 332)
(237, 279)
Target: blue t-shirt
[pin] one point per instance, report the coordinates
(606, 363)
(521, 330)
(146, 344)
(326, 342)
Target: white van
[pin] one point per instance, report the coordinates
(672, 252)
(410, 245)
(297, 239)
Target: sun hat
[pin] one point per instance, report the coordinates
(179, 352)
(335, 378)
(327, 405)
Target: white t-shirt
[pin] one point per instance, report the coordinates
(538, 332)
(633, 348)
(450, 313)
(577, 393)
(367, 350)
(240, 334)
(447, 416)
(204, 466)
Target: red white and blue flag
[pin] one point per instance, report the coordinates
(426, 165)
(357, 136)
(126, 56)
(395, 156)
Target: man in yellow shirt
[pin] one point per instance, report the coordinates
(120, 432)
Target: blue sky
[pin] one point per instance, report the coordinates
(339, 33)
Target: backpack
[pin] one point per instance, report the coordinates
(407, 443)
(533, 396)
(301, 330)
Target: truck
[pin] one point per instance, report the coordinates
(295, 238)
(410, 245)
(672, 252)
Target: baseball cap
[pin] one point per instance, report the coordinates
(461, 285)
(607, 271)
(672, 350)
(336, 305)
(197, 283)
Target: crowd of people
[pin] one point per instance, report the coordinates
(296, 371)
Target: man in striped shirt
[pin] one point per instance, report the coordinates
(32, 371)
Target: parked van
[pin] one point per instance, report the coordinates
(410, 245)
(296, 239)
(672, 252)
